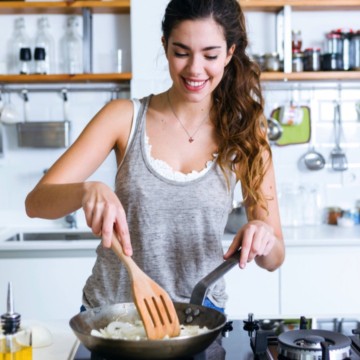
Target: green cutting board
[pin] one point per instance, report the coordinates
(294, 134)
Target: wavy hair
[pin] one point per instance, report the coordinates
(237, 106)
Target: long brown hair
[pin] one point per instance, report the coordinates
(237, 111)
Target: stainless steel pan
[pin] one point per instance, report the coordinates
(100, 317)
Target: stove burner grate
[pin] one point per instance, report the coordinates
(313, 345)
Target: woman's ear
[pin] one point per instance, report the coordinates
(163, 43)
(230, 54)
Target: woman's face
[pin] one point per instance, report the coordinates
(197, 56)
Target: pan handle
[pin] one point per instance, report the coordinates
(201, 288)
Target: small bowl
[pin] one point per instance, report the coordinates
(237, 218)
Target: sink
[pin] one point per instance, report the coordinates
(54, 236)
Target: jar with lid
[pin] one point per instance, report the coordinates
(312, 59)
(331, 62)
(355, 51)
(334, 43)
(333, 213)
(297, 61)
(272, 62)
(296, 40)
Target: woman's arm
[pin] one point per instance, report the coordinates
(261, 238)
(63, 188)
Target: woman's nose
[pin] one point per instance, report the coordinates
(195, 66)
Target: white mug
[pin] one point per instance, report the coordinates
(9, 114)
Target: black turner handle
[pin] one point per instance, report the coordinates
(199, 292)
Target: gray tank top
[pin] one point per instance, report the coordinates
(176, 228)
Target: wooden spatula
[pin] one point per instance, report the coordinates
(153, 303)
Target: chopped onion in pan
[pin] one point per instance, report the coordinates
(135, 331)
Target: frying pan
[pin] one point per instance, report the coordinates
(100, 317)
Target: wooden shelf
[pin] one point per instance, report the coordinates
(64, 7)
(311, 76)
(65, 78)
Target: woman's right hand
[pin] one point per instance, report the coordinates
(104, 215)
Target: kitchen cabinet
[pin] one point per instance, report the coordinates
(47, 285)
(285, 11)
(320, 280)
(88, 9)
(252, 290)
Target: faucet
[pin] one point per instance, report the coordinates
(71, 220)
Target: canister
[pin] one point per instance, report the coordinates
(355, 51)
(334, 43)
(297, 61)
(272, 62)
(312, 59)
(331, 62)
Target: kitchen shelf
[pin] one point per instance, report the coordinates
(311, 76)
(64, 7)
(277, 5)
(65, 78)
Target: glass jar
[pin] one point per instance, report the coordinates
(296, 40)
(334, 43)
(297, 61)
(272, 62)
(333, 213)
(355, 51)
(331, 62)
(312, 59)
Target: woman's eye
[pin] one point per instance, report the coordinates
(211, 57)
(177, 54)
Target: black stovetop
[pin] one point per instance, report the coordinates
(237, 344)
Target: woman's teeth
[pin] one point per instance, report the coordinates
(195, 83)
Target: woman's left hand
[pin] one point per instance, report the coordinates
(256, 238)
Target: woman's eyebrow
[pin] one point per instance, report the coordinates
(187, 48)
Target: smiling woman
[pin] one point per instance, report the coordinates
(208, 131)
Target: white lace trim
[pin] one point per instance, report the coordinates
(166, 170)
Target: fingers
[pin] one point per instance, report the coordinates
(255, 239)
(104, 214)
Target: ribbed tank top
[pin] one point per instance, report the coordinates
(176, 228)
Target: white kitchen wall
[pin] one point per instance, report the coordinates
(21, 168)
(334, 188)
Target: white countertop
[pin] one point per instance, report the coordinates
(64, 341)
(322, 235)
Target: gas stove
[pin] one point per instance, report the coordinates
(277, 339)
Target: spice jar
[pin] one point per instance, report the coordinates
(312, 59)
(334, 43)
(296, 40)
(331, 62)
(355, 51)
(272, 62)
(333, 213)
(297, 61)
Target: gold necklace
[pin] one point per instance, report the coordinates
(191, 137)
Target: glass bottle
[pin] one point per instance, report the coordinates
(296, 40)
(72, 48)
(15, 343)
(44, 39)
(18, 40)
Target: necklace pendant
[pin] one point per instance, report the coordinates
(191, 139)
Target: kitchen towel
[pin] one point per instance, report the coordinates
(297, 133)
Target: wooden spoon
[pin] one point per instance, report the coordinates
(153, 303)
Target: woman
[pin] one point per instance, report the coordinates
(179, 155)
